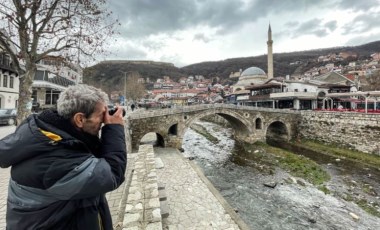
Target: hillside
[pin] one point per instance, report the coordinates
(281, 61)
(109, 74)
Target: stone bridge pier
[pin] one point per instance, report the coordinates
(249, 124)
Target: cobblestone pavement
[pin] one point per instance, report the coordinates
(192, 201)
(114, 197)
(4, 179)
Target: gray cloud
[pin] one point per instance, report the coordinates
(291, 24)
(311, 27)
(266, 7)
(362, 39)
(143, 17)
(201, 37)
(357, 5)
(129, 52)
(362, 23)
(153, 44)
(331, 25)
(172, 59)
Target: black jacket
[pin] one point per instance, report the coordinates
(57, 182)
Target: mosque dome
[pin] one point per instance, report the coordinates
(249, 77)
(253, 71)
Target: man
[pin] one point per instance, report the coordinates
(61, 169)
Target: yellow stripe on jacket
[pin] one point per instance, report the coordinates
(51, 135)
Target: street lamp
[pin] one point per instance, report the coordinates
(125, 84)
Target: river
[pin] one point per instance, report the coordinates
(286, 206)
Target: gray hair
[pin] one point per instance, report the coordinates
(79, 98)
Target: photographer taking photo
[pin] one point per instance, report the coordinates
(61, 169)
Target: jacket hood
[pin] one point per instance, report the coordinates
(32, 137)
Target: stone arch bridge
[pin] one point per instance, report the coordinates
(250, 124)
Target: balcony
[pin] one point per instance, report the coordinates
(5, 63)
(259, 97)
(44, 79)
(300, 95)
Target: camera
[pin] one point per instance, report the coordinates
(113, 111)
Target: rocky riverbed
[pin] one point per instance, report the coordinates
(274, 199)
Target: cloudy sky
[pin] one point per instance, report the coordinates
(185, 32)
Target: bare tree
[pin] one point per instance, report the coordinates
(134, 89)
(72, 29)
(373, 81)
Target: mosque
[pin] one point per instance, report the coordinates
(254, 75)
(256, 88)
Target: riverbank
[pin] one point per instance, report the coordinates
(268, 197)
(356, 173)
(335, 150)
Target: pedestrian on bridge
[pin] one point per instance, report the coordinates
(61, 169)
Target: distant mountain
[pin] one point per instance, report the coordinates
(281, 61)
(109, 74)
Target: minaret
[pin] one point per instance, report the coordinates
(270, 53)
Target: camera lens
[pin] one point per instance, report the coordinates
(113, 111)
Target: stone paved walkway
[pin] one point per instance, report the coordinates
(4, 179)
(193, 202)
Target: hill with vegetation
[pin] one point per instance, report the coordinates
(109, 75)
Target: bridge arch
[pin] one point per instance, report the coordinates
(278, 130)
(173, 130)
(240, 124)
(153, 138)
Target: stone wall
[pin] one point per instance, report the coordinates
(143, 209)
(359, 131)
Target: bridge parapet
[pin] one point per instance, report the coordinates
(193, 108)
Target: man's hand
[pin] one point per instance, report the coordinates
(116, 118)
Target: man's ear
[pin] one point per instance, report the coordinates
(78, 120)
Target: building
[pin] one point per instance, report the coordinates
(270, 53)
(250, 76)
(9, 82)
(254, 75)
(255, 88)
(54, 74)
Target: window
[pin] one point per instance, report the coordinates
(5, 81)
(51, 97)
(34, 96)
(6, 60)
(11, 79)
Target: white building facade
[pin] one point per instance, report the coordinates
(9, 83)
